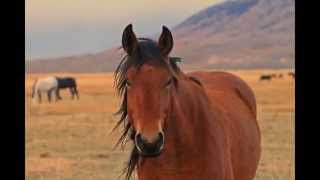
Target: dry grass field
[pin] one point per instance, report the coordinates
(71, 140)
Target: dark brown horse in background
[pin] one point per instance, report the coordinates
(67, 83)
(265, 78)
(197, 126)
(292, 74)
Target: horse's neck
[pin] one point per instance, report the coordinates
(191, 117)
(189, 137)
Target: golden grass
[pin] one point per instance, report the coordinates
(72, 140)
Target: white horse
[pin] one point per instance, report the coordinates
(48, 85)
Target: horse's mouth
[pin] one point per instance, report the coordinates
(154, 153)
(150, 151)
(148, 148)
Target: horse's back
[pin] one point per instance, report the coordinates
(46, 84)
(220, 83)
(66, 82)
(236, 101)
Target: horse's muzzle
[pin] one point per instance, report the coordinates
(149, 148)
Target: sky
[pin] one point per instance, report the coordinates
(57, 28)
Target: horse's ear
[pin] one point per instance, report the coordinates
(129, 40)
(165, 41)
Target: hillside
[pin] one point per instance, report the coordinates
(232, 34)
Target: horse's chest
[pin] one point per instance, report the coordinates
(193, 168)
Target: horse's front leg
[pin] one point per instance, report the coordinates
(57, 95)
(229, 168)
(76, 92)
(49, 96)
(39, 96)
(72, 93)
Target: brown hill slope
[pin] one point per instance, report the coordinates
(233, 34)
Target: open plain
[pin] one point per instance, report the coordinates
(72, 140)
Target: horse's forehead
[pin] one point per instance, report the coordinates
(147, 68)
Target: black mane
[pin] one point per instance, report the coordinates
(147, 52)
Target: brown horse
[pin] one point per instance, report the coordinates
(292, 74)
(197, 126)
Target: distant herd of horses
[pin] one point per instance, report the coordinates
(51, 86)
(268, 77)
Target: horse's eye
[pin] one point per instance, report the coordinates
(128, 84)
(168, 83)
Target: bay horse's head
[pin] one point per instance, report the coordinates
(145, 78)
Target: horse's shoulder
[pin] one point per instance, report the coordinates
(242, 90)
(228, 83)
(216, 78)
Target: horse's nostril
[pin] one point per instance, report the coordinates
(160, 139)
(160, 135)
(140, 144)
(138, 137)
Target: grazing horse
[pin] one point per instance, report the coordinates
(292, 74)
(265, 78)
(67, 82)
(48, 85)
(196, 126)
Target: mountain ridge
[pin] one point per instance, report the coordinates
(231, 34)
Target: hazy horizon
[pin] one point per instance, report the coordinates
(69, 27)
